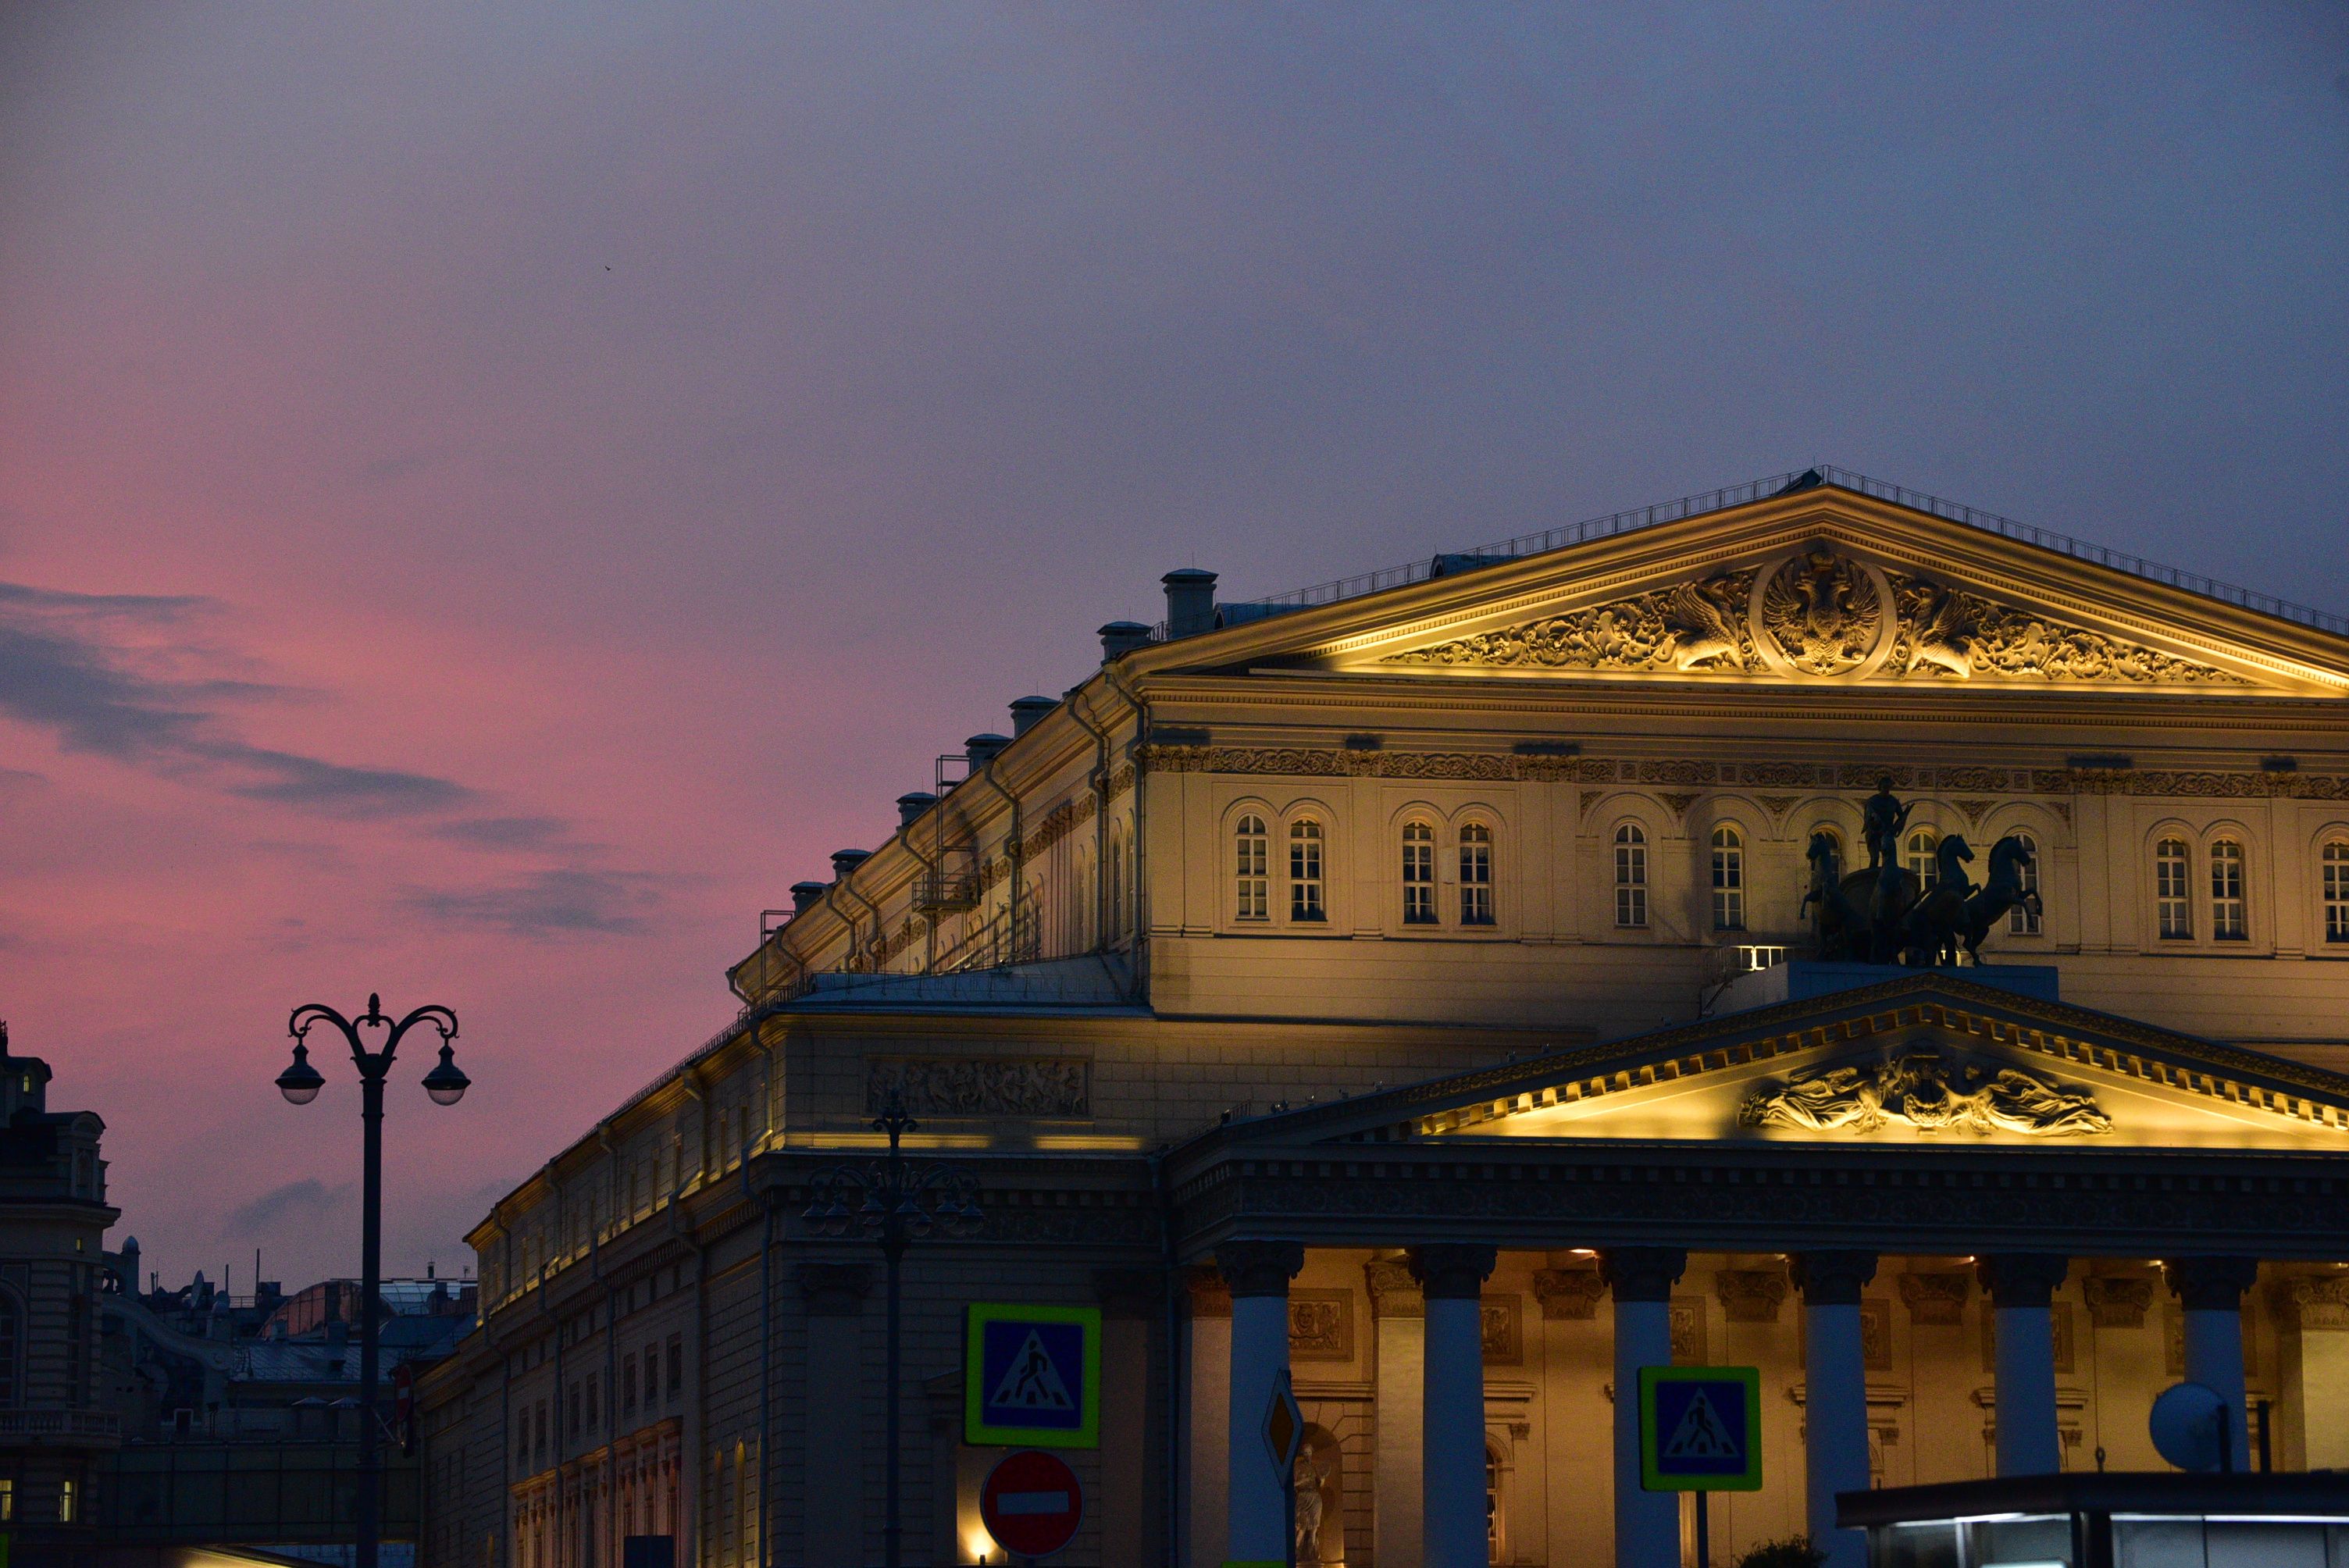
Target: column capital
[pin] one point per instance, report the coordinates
(1204, 1286)
(1832, 1277)
(2022, 1279)
(2212, 1285)
(1452, 1271)
(1394, 1289)
(1260, 1268)
(1642, 1273)
(1569, 1295)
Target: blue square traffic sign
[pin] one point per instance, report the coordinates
(1700, 1428)
(1031, 1376)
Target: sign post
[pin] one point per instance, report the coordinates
(1700, 1431)
(1031, 1503)
(1284, 1436)
(1031, 1377)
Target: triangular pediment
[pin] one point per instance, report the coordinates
(1827, 586)
(1929, 1059)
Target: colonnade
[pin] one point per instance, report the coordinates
(1450, 1275)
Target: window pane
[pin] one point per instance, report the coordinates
(1631, 876)
(1305, 872)
(1728, 880)
(2336, 892)
(1418, 874)
(1251, 887)
(1476, 874)
(1923, 860)
(2173, 915)
(2021, 919)
(2228, 919)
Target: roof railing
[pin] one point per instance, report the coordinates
(1688, 506)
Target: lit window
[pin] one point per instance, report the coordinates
(7, 1500)
(1631, 876)
(2022, 920)
(1305, 872)
(1476, 874)
(65, 1502)
(1728, 880)
(2336, 892)
(1923, 863)
(2173, 913)
(1251, 883)
(2228, 922)
(1418, 874)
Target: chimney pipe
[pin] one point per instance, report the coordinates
(1190, 601)
(982, 748)
(846, 860)
(1027, 710)
(912, 805)
(804, 893)
(1122, 638)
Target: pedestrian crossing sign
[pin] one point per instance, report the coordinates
(1701, 1428)
(1031, 1376)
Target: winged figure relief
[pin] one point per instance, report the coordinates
(1936, 632)
(1703, 631)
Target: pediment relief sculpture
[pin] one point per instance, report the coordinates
(1819, 614)
(1929, 1093)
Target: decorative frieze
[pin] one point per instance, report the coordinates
(1936, 1297)
(1502, 1330)
(1568, 1295)
(1688, 1331)
(1928, 1092)
(2117, 1301)
(1320, 1326)
(1750, 1295)
(981, 1085)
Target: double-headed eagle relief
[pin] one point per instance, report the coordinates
(1927, 1092)
(1818, 614)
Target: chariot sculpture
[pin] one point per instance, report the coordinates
(1887, 913)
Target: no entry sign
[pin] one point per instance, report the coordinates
(1031, 1503)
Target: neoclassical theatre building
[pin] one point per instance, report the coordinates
(1412, 985)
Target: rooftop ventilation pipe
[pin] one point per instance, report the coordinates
(1027, 710)
(846, 860)
(981, 749)
(804, 893)
(1190, 601)
(1122, 638)
(912, 805)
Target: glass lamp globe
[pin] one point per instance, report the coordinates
(447, 1083)
(300, 1083)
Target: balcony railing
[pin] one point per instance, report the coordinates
(945, 891)
(102, 1426)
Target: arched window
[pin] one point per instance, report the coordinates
(1418, 874)
(2229, 921)
(1631, 876)
(2336, 891)
(1921, 861)
(1251, 884)
(1476, 874)
(2173, 909)
(1728, 880)
(2022, 920)
(1305, 889)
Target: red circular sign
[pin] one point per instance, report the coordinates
(1031, 1503)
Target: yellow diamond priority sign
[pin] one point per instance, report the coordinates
(1284, 1429)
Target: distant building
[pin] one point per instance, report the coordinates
(55, 1431)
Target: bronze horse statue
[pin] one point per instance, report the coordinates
(2009, 859)
(1887, 915)
(1930, 932)
(1841, 926)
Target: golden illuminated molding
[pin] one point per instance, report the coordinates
(1819, 614)
(1342, 762)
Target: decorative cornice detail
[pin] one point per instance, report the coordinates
(1750, 1295)
(1568, 1295)
(2118, 1301)
(1936, 1297)
(981, 1085)
(1394, 1289)
(1340, 762)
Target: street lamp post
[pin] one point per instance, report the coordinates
(900, 1203)
(300, 1083)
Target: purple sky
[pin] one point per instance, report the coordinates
(491, 496)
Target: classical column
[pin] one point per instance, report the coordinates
(1452, 1451)
(2211, 1291)
(1255, 1505)
(1208, 1354)
(2021, 1286)
(1398, 1387)
(1647, 1524)
(1834, 1396)
(833, 1472)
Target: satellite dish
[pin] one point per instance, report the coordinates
(2190, 1425)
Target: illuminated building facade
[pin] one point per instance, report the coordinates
(1414, 986)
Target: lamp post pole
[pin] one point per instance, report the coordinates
(901, 1203)
(300, 1084)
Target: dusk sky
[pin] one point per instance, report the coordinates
(490, 496)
